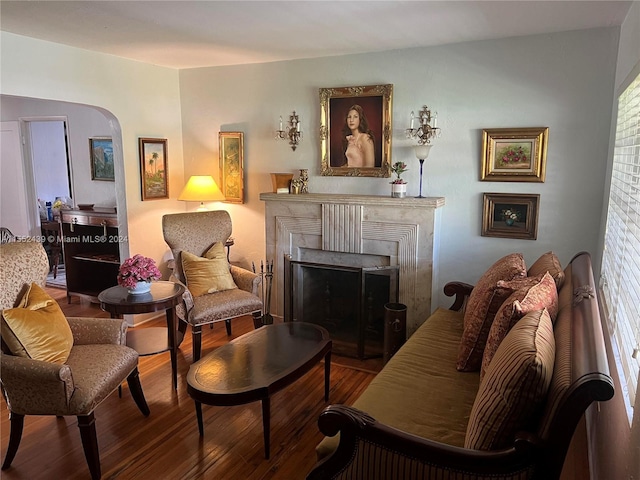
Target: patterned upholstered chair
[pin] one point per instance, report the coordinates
(196, 233)
(98, 362)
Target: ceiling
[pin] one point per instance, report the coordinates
(187, 34)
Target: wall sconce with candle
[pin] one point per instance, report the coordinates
(426, 129)
(293, 131)
(201, 188)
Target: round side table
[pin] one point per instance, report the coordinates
(148, 341)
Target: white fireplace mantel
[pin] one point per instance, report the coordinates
(404, 231)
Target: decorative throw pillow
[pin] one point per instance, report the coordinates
(540, 293)
(37, 328)
(207, 275)
(548, 263)
(515, 386)
(483, 303)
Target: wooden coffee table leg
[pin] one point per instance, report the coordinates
(199, 417)
(327, 375)
(266, 425)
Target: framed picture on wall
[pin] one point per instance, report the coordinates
(355, 131)
(514, 154)
(231, 153)
(508, 215)
(101, 154)
(153, 168)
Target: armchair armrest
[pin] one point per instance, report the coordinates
(91, 331)
(461, 290)
(367, 446)
(183, 309)
(246, 280)
(24, 380)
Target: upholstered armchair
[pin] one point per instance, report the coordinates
(98, 360)
(197, 233)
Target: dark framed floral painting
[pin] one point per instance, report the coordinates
(514, 154)
(508, 215)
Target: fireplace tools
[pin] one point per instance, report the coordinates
(266, 276)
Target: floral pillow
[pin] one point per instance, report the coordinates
(484, 301)
(548, 262)
(535, 293)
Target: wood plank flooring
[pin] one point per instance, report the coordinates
(166, 445)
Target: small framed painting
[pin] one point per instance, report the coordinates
(355, 131)
(514, 154)
(153, 168)
(231, 153)
(101, 153)
(507, 215)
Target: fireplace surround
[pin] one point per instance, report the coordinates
(358, 230)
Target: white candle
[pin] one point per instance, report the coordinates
(280, 123)
(435, 120)
(412, 121)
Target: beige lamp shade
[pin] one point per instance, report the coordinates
(201, 188)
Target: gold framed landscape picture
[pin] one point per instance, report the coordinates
(231, 153)
(508, 215)
(153, 168)
(355, 131)
(514, 154)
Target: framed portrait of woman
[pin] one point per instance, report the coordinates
(355, 131)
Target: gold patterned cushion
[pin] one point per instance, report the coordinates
(515, 386)
(209, 273)
(37, 328)
(535, 293)
(484, 302)
(548, 262)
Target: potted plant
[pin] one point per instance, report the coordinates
(399, 186)
(137, 273)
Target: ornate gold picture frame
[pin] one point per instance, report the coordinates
(361, 148)
(508, 215)
(514, 154)
(231, 153)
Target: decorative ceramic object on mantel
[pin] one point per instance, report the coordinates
(399, 186)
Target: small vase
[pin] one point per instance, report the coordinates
(140, 288)
(509, 222)
(398, 190)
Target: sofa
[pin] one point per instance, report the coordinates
(427, 415)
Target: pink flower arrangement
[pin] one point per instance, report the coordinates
(137, 269)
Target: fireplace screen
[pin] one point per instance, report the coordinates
(347, 301)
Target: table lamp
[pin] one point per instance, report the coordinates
(201, 188)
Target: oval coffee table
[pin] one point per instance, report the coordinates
(258, 364)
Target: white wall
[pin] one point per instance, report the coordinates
(138, 100)
(82, 122)
(563, 81)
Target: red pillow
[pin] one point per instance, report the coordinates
(540, 294)
(484, 301)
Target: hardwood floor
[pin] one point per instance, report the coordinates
(166, 445)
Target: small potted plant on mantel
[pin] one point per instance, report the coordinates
(399, 186)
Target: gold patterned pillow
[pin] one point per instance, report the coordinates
(535, 293)
(209, 273)
(515, 386)
(37, 328)
(484, 301)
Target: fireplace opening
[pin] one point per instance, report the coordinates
(346, 300)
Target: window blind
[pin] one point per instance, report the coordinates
(621, 256)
